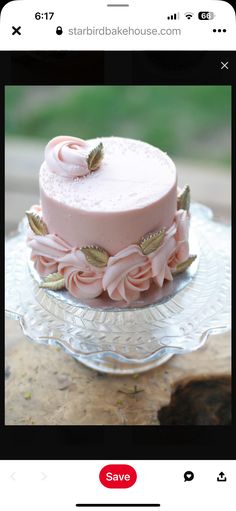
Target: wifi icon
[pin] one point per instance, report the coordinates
(188, 15)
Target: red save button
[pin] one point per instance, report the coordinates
(117, 476)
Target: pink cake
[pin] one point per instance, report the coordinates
(110, 220)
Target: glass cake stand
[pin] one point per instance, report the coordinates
(118, 339)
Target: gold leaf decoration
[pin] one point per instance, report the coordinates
(181, 267)
(36, 223)
(96, 256)
(183, 199)
(152, 241)
(54, 281)
(95, 157)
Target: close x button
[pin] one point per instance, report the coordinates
(118, 476)
(224, 65)
(16, 30)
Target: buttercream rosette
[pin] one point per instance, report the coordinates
(46, 252)
(128, 273)
(72, 157)
(82, 279)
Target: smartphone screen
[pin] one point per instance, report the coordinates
(117, 145)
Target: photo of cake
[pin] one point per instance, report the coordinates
(117, 253)
(111, 218)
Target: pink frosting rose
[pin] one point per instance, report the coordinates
(81, 278)
(67, 156)
(127, 274)
(182, 221)
(160, 258)
(46, 252)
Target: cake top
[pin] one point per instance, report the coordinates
(128, 174)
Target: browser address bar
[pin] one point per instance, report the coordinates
(208, 25)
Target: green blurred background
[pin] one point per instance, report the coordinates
(192, 122)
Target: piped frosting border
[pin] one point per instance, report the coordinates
(87, 272)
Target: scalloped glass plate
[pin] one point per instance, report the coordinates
(120, 339)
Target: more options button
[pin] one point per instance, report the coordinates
(118, 476)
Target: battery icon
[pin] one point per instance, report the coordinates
(206, 15)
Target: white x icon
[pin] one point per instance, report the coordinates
(224, 65)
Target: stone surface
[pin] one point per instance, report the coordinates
(44, 386)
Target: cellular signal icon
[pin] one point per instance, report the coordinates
(173, 16)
